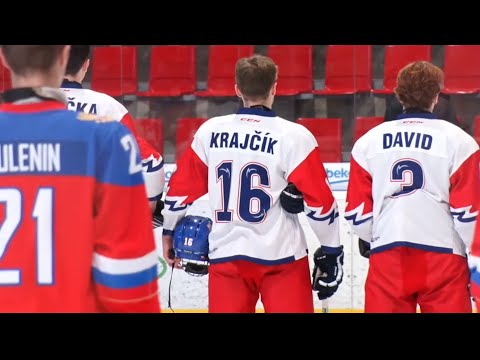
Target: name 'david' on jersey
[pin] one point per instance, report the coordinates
(407, 139)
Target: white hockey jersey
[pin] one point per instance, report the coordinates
(244, 161)
(414, 182)
(93, 102)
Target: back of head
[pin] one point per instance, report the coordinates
(78, 55)
(418, 85)
(24, 60)
(255, 76)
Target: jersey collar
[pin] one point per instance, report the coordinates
(33, 100)
(67, 84)
(416, 113)
(256, 111)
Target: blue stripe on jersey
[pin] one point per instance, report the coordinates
(462, 216)
(256, 111)
(156, 198)
(118, 156)
(436, 249)
(150, 168)
(330, 217)
(353, 219)
(34, 157)
(87, 148)
(475, 277)
(125, 281)
(172, 207)
(424, 115)
(253, 260)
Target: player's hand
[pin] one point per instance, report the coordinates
(291, 199)
(168, 253)
(327, 273)
(364, 248)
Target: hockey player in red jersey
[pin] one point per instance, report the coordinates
(75, 225)
(412, 195)
(244, 161)
(94, 102)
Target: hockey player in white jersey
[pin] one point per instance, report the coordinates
(100, 104)
(412, 195)
(244, 161)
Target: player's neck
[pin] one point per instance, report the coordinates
(265, 103)
(35, 81)
(76, 78)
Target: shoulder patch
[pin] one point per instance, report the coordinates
(92, 117)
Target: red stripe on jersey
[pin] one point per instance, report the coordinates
(146, 150)
(141, 299)
(190, 179)
(311, 179)
(359, 188)
(465, 183)
(127, 120)
(124, 236)
(33, 107)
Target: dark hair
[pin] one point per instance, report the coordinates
(418, 84)
(255, 76)
(23, 59)
(78, 55)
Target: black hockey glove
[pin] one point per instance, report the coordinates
(157, 215)
(364, 247)
(291, 199)
(327, 273)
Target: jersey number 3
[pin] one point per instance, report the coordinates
(409, 174)
(253, 200)
(43, 215)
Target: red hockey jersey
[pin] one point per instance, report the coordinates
(75, 225)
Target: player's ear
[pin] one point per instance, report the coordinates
(64, 55)
(274, 89)
(2, 59)
(237, 91)
(86, 65)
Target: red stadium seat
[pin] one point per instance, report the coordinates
(462, 69)
(221, 68)
(476, 128)
(398, 56)
(114, 70)
(364, 124)
(348, 70)
(152, 131)
(186, 128)
(295, 68)
(172, 71)
(5, 80)
(328, 132)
